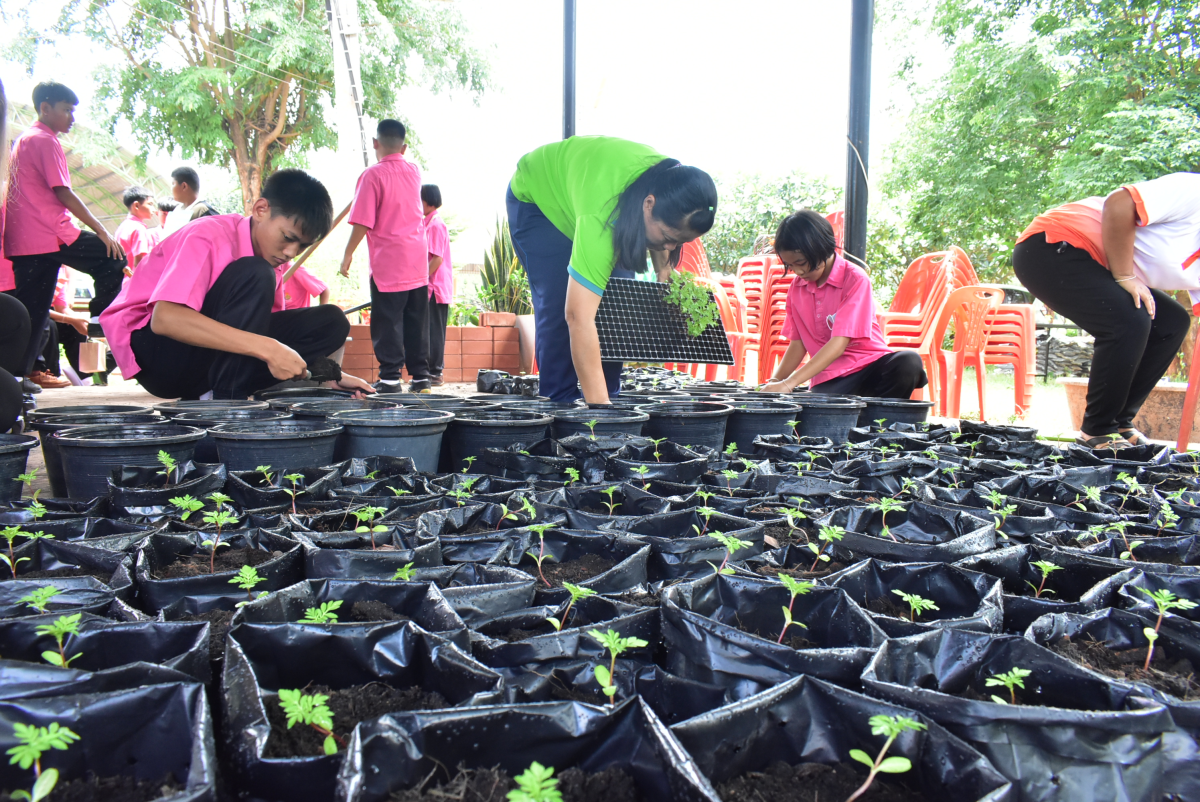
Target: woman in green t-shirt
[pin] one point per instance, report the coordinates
(581, 211)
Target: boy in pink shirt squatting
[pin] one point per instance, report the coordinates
(831, 315)
(134, 234)
(387, 211)
(196, 316)
(298, 291)
(441, 279)
(39, 236)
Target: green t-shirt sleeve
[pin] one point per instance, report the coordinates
(592, 253)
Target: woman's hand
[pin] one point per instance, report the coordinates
(1140, 292)
(777, 386)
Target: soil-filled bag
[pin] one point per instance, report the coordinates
(592, 454)
(666, 461)
(922, 532)
(401, 750)
(20, 680)
(680, 546)
(131, 487)
(965, 599)
(886, 478)
(80, 594)
(1092, 739)
(251, 490)
(600, 561)
(627, 499)
(183, 558)
(725, 630)
(404, 667)
(1176, 555)
(349, 555)
(545, 459)
(50, 562)
(16, 512)
(150, 733)
(805, 720)
(480, 592)
(101, 644)
(1132, 595)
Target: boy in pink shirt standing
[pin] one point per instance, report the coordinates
(39, 236)
(387, 211)
(441, 279)
(134, 235)
(831, 315)
(298, 291)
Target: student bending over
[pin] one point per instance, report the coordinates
(196, 316)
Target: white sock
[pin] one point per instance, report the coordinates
(389, 381)
(207, 396)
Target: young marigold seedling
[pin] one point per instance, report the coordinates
(906, 486)
(371, 475)
(404, 574)
(325, 614)
(1132, 487)
(186, 506)
(591, 424)
(1092, 494)
(916, 604)
(1165, 601)
(706, 513)
(540, 531)
(267, 473)
(641, 471)
(536, 784)
(729, 475)
(828, 535)
(1010, 679)
(930, 454)
(1047, 568)
(732, 545)
(32, 743)
(577, 593)
(460, 496)
(615, 644)
(59, 629)
(731, 450)
(694, 302)
(891, 727)
(218, 518)
(797, 587)
(310, 711)
(704, 496)
(879, 423)
(884, 506)
(612, 506)
(506, 515)
(657, 442)
(469, 461)
(39, 597)
(399, 492)
(1167, 518)
(366, 517)
(572, 475)
(294, 479)
(951, 471)
(169, 464)
(36, 508)
(11, 533)
(246, 579)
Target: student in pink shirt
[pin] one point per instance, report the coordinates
(39, 236)
(831, 315)
(134, 234)
(387, 211)
(441, 279)
(196, 318)
(298, 291)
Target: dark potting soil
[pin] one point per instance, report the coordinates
(111, 789)
(58, 573)
(885, 606)
(573, 571)
(569, 693)
(776, 536)
(1167, 674)
(493, 785)
(518, 635)
(218, 628)
(639, 599)
(600, 509)
(227, 560)
(812, 782)
(349, 706)
(347, 523)
(801, 572)
(375, 611)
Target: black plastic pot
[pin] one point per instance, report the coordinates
(14, 453)
(297, 393)
(206, 449)
(472, 431)
(88, 409)
(534, 405)
(455, 405)
(403, 432)
(172, 409)
(688, 423)
(47, 426)
(753, 418)
(893, 410)
(282, 444)
(829, 416)
(91, 453)
(573, 420)
(320, 410)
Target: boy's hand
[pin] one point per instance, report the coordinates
(114, 249)
(283, 362)
(349, 382)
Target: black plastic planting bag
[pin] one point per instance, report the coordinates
(251, 491)
(805, 720)
(885, 477)
(923, 532)
(401, 750)
(349, 555)
(679, 551)
(1183, 587)
(628, 555)
(16, 512)
(113, 568)
(707, 626)
(19, 679)
(788, 448)
(378, 467)
(545, 459)
(144, 732)
(965, 599)
(1102, 741)
(674, 463)
(480, 592)
(262, 658)
(88, 528)
(147, 487)
(81, 594)
(1177, 555)
(628, 498)
(593, 453)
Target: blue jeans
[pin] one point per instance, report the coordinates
(545, 252)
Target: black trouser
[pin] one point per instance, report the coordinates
(37, 275)
(241, 297)
(400, 333)
(14, 339)
(893, 375)
(1132, 352)
(70, 338)
(438, 315)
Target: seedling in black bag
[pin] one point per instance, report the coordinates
(460, 496)
(312, 712)
(828, 535)
(1010, 679)
(322, 615)
(916, 604)
(879, 423)
(884, 506)
(404, 574)
(1047, 568)
(577, 593)
(293, 492)
(1165, 601)
(1132, 487)
(797, 587)
(506, 515)
(186, 506)
(366, 517)
(28, 478)
(246, 578)
(731, 449)
(61, 627)
(732, 545)
(891, 726)
(1092, 494)
(266, 472)
(399, 493)
(40, 597)
(216, 518)
(657, 442)
(641, 471)
(951, 471)
(704, 496)
(32, 742)
(540, 530)
(468, 460)
(1002, 510)
(729, 475)
(535, 784)
(906, 486)
(706, 513)
(1167, 518)
(572, 475)
(169, 464)
(36, 508)
(615, 644)
(612, 506)
(11, 533)
(591, 424)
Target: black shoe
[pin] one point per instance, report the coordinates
(420, 386)
(94, 330)
(28, 386)
(384, 387)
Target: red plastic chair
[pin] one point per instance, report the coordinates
(969, 308)
(838, 221)
(1189, 401)
(772, 343)
(694, 259)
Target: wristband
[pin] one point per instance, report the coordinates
(1127, 278)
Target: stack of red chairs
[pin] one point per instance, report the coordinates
(918, 303)
(971, 310)
(772, 343)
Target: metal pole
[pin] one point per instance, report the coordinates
(861, 26)
(568, 68)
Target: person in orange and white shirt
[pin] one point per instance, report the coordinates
(1106, 264)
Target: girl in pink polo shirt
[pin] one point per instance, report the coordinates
(831, 315)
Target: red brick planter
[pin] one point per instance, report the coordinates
(469, 349)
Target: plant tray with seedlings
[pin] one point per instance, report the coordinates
(636, 323)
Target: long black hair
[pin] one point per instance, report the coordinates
(684, 198)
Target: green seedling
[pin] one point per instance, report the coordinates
(1132, 487)
(220, 499)
(528, 508)
(366, 522)
(797, 587)
(186, 506)
(294, 478)
(267, 473)
(169, 464)
(1165, 601)
(536, 784)
(951, 471)
(916, 604)
(704, 496)
(217, 518)
(11, 533)
(469, 461)
(371, 475)
(246, 579)
(1119, 527)
(404, 574)
(32, 743)
(1092, 494)
(731, 450)
(732, 545)
(1167, 518)
(706, 513)
(1010, 679)
(729, 475)
(325, 614)
(577, 593)
(615, 644)
(591, 424)
(572, 475)
(1047, 568)
(695, 303)
(1095, 531)
(612, 506)
(59, 629)
(399, 491)
(828, 535)
(310, 711)
(792, 424)
(892, 727)
(506, 515)
(657, 442)
(1001, 510)
(540, 530)
(879, 423)
(36, 509)
(884, 506)
(28, 478)
(641, 471)
(906, 486)
(930, 453)
(460, 496)
(39, 598)
(794, 514)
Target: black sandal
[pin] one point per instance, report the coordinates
(1103, 442)
(1135, 438)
